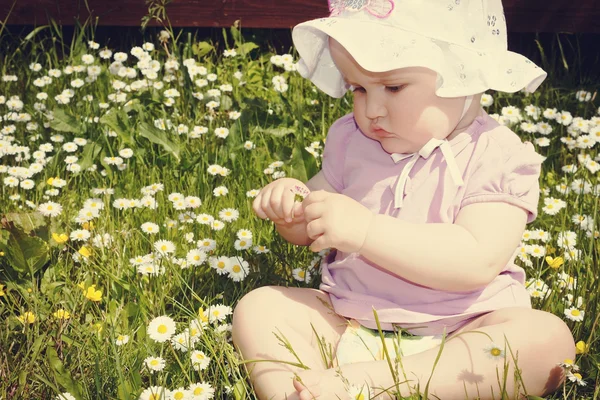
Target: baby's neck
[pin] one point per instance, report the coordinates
(467, 120)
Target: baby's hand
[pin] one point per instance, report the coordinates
(276, 201)
(335, 220)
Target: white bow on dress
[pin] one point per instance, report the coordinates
(425, 152)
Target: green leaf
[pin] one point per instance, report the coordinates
(303, 164)
(65, 123)
(26, 221)
(62, 376)
(159, 137)
(202, 48)
(118, 121)
(276, 132)
(247, 47)
(90, 152)
(226, 102)
(26, 254)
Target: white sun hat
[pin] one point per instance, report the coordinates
(464, 41)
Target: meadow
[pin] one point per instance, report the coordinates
(127, 234)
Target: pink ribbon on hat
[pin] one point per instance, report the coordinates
(377, 8)
(425, 152)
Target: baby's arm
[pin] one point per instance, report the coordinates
(296, 233)
(463, 256)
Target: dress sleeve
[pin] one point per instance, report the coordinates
(334, 153)
(507, 174)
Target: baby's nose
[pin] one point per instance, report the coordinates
(375, 108)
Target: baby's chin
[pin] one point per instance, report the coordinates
(395, 145)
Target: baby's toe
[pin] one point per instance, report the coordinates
(307, 384)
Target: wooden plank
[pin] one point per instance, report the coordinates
(521, 15)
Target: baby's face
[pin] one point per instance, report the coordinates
(398, 108)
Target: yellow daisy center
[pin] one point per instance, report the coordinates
(162, 329)
(496, 352)
(178, 395)
(575, 313)
(221, 264)
(198, 391)
(236, 268)
(154, 363)
(163, 247)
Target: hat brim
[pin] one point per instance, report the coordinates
(462, 71)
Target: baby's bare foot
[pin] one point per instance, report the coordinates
(320, 385)
(326, 385)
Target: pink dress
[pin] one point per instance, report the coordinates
(496, 167)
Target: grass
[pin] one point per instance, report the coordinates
(173, 144)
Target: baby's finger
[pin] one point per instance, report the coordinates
(288, 205)
(257, 207)
(265, 203)
(276, 200)
(319, 244)
(315, 228)
(297, 211)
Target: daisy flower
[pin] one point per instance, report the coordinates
(222, 132)
(569, 365)
(252, 193)
(358, 393)
(161, 329)
(260, 249)
(302, 275)
(221, 264)
(243, 244)
(239, 269)
(80, 235)
(50, 209)
(201, 391)
(244, 234)
(180, 394)
(220, 191)
(150, 227)
(206, 244)
(121, 340)
(576, 378)
(196, 257)
(164, 247)
(218, 313)
(65, 396)
(183, 341)
(193, 202)
(493, 351)
(217, 225)
(200, 360)
(574, 314)
(155, 393)
(205, 219)
(229, 214)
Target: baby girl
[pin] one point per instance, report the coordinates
(423, 199)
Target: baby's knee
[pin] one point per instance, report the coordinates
(253, 304)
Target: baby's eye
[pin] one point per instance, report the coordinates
(357, 89)
(394, 89)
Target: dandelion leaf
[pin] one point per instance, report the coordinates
(62, 376)
(201, 49)
(157, 136)
(90, 153)
(65, 123)
(303, 164)
(26, 221)
(26, 254)
(118, 121)
(246, 48)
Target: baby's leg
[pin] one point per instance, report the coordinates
(465, 370)
(289, 313)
